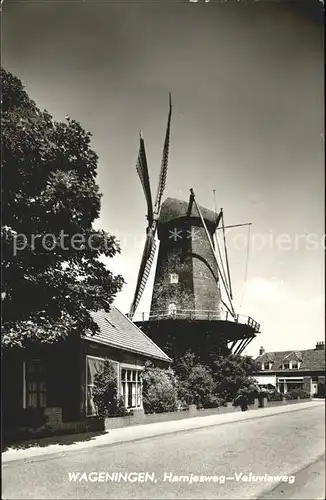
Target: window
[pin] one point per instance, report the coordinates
(35, 384)
(174, 278)
(286, 366)
(131, 387)
(295, 365)
(266, 365)
(94, 365)
(172, 309)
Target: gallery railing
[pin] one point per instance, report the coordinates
(192, 314)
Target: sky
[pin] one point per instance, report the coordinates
(248, 122)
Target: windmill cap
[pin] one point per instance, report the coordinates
(175, 209)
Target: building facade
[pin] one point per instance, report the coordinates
(288, 370)
(59, 378)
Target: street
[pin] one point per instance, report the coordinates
(231, 455)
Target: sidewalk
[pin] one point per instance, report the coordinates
(43, 447)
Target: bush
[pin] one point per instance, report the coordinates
(232, 373)
(274, 396)
(295, 393)
(195, 382)
(246, 395)
(159, 390)
(105, 393)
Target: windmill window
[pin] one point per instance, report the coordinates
(172, 309)
(174, 278)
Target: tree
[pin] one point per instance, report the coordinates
(232, 373)
(159, 389)
(195, 381)
(52, 273)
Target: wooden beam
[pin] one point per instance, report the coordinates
(191, 201)
(236, 225)
(213, 250)
(226, 257)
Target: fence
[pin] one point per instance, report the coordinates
(195, 314)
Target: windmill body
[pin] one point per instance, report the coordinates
(186, 279)
(187, 309)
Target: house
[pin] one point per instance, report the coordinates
(58, 379)
(288, 370)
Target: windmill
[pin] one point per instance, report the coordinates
(192, 297)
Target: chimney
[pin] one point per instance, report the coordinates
(261, 350)
(320, 346)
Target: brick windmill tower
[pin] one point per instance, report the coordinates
(192, 303)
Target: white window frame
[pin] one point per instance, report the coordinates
(172, 310)
(98, 358)
(174, 278)
(124, 385)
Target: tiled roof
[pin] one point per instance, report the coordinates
(116, 330)
(312, 359)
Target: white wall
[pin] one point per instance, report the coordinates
(266, 379)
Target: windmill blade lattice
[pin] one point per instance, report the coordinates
(142, 171)
(164, 163)
(143, 274)
(150, 244)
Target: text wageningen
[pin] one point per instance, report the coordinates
(171, 477)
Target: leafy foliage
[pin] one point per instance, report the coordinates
(105, 392)
(208, 385)
(274, 395)
(246, 394)
(195, 382)
(159, 389)
(179, 293)
(50, 199)
(231, 373)
(297, 393)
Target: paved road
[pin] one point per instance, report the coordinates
(276, 445)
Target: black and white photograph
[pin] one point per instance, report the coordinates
(163, 249)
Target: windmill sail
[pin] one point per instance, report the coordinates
(142, 170)
(144, 270)
(164, 163)
(150, 244)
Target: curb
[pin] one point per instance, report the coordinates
(112, 440)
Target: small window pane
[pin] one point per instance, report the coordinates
(139, 395)
(91, 409)
(174, 278)
(172, 308)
